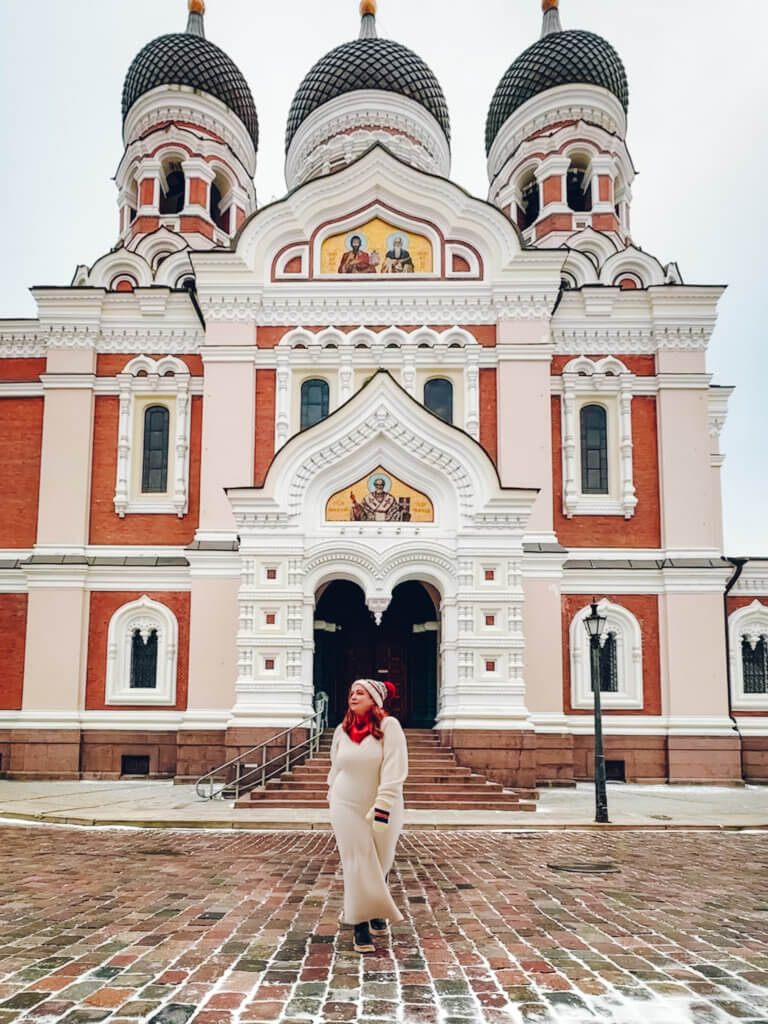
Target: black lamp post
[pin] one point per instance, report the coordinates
(594, 625)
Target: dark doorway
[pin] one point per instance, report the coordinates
(349, 645)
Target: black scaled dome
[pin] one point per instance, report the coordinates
(188, 58)
(369, 63)
(559, 58)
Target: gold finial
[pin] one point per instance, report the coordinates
(368, 7)
(549, 5)
(197, 6)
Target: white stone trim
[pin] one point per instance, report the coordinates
(302, 251)
(748, 623)
(610, 384)
(629, 658)
(144, 615)
(182, 103)
(345, 127)
(133, 390)
(337, 356)
(587, 103)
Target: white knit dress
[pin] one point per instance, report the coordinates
(363, 776)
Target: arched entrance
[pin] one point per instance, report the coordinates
(349, 645)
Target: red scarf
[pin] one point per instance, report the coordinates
(357, 733)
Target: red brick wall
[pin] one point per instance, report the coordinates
(552, 190)
(104, 604)
(645, 608)
(265, 424)
(13, 635)
(489, 422)
(21, 440)
(198, 192)
(554, 222)
(106, 526)
(643, 530)
(112, 364)
(21, 369)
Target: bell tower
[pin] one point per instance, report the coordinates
(191, 135)
(558, 161)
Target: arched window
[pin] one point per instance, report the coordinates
(530, 201)
(621, 659)
(748, 642)
(144, 660)
(154, 477)
(594, 450)
(314, 402)
(755, 665)
(142, 654)
(578, 186)
(173, 197)
(438, 398)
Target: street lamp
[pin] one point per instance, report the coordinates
(594, 625)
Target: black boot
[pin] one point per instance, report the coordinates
(363, 941)
(378, 926)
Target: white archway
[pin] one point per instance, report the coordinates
(471, 552)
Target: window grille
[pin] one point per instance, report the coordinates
(154, 478)
(755, 664)
(438, 398)
(314, 402)
(594, 450)
(144, 661)
(609, 672)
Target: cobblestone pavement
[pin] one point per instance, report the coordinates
(220, 928)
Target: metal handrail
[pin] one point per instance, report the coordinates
(317, 723)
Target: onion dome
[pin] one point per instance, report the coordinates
(188, 58)
(559, 58)
(368, 63)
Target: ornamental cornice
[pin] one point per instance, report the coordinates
(21, 343)
(350, 311)
(603, 340)
(128, 340)
(683, 339)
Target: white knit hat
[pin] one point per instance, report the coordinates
(377, 688)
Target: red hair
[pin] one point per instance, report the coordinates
(375, 717)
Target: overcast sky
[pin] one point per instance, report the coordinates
(697, 133)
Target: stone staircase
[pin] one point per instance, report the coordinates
(435, 781)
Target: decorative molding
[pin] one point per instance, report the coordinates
(153, 380)
(318, 305)
(345, 127)
(629, 658)
(609, 384)
(749, 623)
(143, 616)
(602, 340)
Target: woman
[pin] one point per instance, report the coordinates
(369, 764)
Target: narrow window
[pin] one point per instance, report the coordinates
(530, 202)
(609, 673)
(154, 479)
(221, 220)
(438, 398)
(314, 402)
(579, 191)
(594, 450)
(755, 663)
(172, 199)
(144, 661)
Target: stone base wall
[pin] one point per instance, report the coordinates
(505, 756)
(755, 759)
(515, 758)
(644, 757)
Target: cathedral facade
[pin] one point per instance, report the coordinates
(378, 428)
